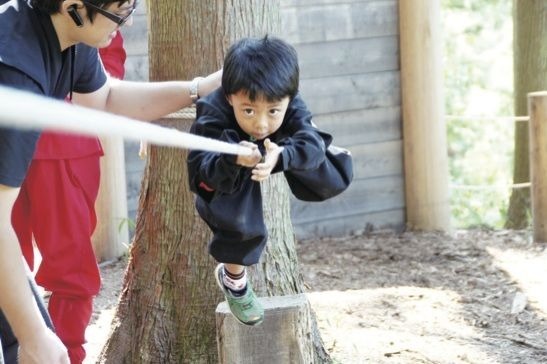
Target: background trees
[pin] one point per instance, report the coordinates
(530, 74)
(477, 37)
(492, 47)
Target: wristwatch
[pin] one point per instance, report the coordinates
(194, 89)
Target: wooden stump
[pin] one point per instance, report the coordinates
(283, 338)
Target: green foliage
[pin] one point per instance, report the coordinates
(126, 221)
(479, 82)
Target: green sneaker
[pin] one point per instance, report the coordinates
(246, 308)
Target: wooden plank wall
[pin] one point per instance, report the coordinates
(136, 69)
(349, 56)
(349, 59)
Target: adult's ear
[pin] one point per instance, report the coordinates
(70, 8)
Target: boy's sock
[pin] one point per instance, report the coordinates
(236, 283)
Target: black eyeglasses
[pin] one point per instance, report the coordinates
(120, 20)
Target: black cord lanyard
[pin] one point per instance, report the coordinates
(72, 60)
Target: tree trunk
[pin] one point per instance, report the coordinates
(278, 272)
(166, 309)
(530, 68)
(166, 312)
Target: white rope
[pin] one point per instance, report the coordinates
(24, 110)
(487, 118)
(491, 187)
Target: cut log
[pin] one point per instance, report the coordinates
(283, 337)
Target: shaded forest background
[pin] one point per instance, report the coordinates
(478, 60)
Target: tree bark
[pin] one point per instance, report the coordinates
(166, 309)
(530, 68)
(278, 272)
(166, 312)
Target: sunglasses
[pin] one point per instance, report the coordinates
(120, 20)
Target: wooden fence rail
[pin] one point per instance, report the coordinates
(537, 109)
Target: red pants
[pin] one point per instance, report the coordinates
(57, 205)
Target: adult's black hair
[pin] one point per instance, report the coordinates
(265, 67)
(53, 6)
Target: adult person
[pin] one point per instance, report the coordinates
(49, 47)
(62, 220)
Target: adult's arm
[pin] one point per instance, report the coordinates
(37, 343)
(145, 100)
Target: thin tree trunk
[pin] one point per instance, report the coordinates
(278, 272)
(166, 310)
(530, 70)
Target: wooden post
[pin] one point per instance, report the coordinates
(283, 337)
(537, 109)
(424, 129)
(112, 230)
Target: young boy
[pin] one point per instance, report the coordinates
(258, 106)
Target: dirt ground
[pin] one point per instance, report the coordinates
(467, 297)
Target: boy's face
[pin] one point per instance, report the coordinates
(259, 118)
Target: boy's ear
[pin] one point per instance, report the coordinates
(229, 98)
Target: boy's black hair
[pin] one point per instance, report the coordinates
(53, 6)
(265, 67)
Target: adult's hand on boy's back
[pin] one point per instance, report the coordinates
(264, 169)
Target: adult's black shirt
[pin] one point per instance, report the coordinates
(31, 59)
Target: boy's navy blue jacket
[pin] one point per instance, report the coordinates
(227, 199)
